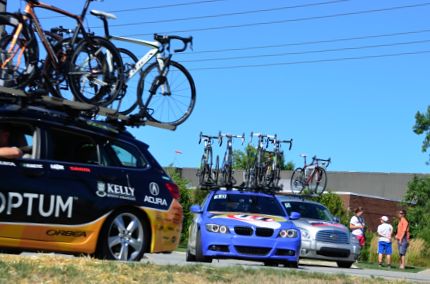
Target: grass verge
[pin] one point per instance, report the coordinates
(368, 265)
(59, 269)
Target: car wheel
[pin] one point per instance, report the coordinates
(124, 237)
(344, 264)
(292, 264)
(199, 250)
(189, 256)
(270, 263)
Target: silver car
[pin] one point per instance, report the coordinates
(323, 237)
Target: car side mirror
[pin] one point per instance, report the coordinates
(196, 209)
(295, 215)
(336, 219)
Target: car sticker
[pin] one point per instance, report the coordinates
(57, 167)
(32, 166)
(256, 220)
(5, 163)
(287, 205)
(220, 196)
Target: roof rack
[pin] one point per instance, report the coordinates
(75, 108)
(241, 187)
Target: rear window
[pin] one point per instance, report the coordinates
(20, 136)
(244, 203)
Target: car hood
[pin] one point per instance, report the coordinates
(253, 219)
(319, 225)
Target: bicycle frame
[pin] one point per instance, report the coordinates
(31, 15)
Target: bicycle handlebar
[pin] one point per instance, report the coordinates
(204, 136)
(315, 158)
(230, 136)
(165, 40)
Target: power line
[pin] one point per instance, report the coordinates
(305, 42)
(291, 20)
(226, 14)
(311, 61)
(308, 52)
(151, 7)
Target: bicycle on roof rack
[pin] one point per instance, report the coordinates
(312, 176)
(227, 178)
(89, 65)
(273, 172)
(165, 90)
(207, 176)
(256, 170)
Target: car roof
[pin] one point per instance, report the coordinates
(243, 192)
(43, 116)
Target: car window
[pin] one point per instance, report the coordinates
(18, 135)
(308, 210)
(121, 154)
(245, 203)
(73, 147)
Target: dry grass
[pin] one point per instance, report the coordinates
(58, 269)
(418, 253)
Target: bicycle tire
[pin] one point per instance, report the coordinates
(146, 100)
(17, 74)
(202, 170)
(110, 69)
(124, 104)
(320, 184)
(215, 172)
(297, 181)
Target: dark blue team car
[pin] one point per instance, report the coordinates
(243, 225)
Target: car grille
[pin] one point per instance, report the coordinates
(252, 250)
(331, 236)
(243, 231)
(264, 232)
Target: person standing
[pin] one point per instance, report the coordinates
(385, 231)
(402, 237)
(358, 226)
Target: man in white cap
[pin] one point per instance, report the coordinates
(385, 231)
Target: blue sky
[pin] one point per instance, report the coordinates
(355, 105)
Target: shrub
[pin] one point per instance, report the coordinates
(418, 253)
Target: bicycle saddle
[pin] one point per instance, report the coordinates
(102, 14)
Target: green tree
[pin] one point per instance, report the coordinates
(417, 202)
(334, 204)
(422, 126)
(243, 159)
(186, 200)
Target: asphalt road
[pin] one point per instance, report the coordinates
(178, 258)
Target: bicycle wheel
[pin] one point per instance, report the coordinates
(276, 176)
(297, 182)
(319, 181)
(215, 172)
(18, 61)
(173, 100)
(126, 101)
(202, 171)
(96, 72)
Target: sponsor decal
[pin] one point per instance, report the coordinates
(154, 189)
(271, 222)
(45, 205)
(5, 163)
(32, 166)
(155, 200)
(57, 167)
(64, 233)
(166, 178)
(220, 196)
(115, 191)
(80, 169)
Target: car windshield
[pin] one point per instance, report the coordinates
(244, 203)
(308, 210)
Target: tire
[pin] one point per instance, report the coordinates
(120, 242)
(202, 171)
(297, 181)
(215, 172)
(319, 181)
(344, 264)
(189, 256)
(126, 101)
(182, 95)
(291, 264)
(199, 250)
(22, 61)
(276, 176)
(96, 72)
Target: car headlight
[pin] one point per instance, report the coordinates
(215, 228)
(291, 233)
(305, 234)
